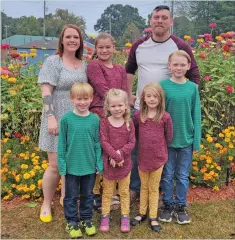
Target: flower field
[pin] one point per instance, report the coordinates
(23, 164)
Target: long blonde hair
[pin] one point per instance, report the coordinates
(160, 109)
(113, 92)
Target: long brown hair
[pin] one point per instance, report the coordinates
(113, 92)
(160, 109)
(79, 52)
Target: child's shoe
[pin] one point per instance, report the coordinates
(45, 218)
(125, 224)
(90, 229)
(73, 230)
(167, 213)
(104, 225)
(181, 215)
(154, 225)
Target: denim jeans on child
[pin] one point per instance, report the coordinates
(72, 185)
(178, 165)
(135, 178)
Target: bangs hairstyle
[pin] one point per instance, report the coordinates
(81, 89)
(156, 89)
(113, 92)
(79, 52)
(104, 35)
(180, 53)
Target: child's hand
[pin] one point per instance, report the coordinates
(112, 163)
(120, 164)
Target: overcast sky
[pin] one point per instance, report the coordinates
(90, 10)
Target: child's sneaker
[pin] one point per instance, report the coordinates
(125, 224)
(181, 215)
(73, 230)
(90, 229)
(166, 214)
(104, 225)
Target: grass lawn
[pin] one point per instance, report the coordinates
(211, 220)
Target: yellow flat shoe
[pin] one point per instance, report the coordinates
(62, 201)
(45, 218)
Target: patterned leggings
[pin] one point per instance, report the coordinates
(149, 191)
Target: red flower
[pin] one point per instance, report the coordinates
(191, 40)
(17, 135)
(212, 25)
(223, 35)
(226, 48)
(4, 46)
(229, 42)
(15, 55)
(34, 46)
(207, 78)
(202, 55)
(229, 89)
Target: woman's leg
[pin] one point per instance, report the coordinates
(51, 178)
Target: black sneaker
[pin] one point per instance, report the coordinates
(181, 215)
(167, 213)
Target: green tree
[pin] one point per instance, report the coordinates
(131, 33)
(55, 23)
(119, 16)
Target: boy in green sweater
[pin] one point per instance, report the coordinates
(183, 104)
(79, 158)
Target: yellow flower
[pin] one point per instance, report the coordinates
(6, 197)
(26, 176)
(227, 139)
(32, 173)
(25, 196)
(33, 50)
(230, 158)
(5, 140)
(22, 155)
(218, 38)
(12, 92)
(8, 151)
(200, 40)
(215, 188)
(209, 139)
(40, 183)
(195, 168)
(212, 166)
(36, 149)
(194, 163)
(218, 168)
(187, 37)
(217, 145)
(45, 166)
(7, 134)
(230, 145)
(12, 80)
(191, 177)
(24, 166)
(128, 44)
(32, 187)
(33, 155)
(17, 178)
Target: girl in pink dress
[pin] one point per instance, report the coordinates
(154, 131)
(103, 75)
(117, 137)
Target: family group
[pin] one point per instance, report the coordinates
(95, 131)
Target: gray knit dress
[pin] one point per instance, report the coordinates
(55, 73)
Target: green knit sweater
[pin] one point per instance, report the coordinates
(79, 150)
(183, 104)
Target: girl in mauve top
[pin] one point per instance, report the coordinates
(117, 137)
(103, 75)
(154, 131)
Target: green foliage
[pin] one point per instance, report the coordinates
(21, 102)
(120, 17)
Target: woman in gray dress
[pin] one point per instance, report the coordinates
(56, 78)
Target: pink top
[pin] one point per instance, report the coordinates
(153, 140)
(113, 139)
(102, 79)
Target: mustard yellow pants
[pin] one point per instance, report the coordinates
(123, 189)
(96, 189)
(149, 191)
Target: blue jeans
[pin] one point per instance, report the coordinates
(178, 165)
(72, 185)
(135, 178)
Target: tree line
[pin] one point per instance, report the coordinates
(126, 25)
